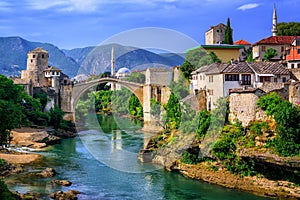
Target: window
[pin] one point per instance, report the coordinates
(292, 66)
(288, 52)
(265, 79)
(231, 77)
(263, 48)
(284, 79)
(31, 60)
(246, 79)
(33, 56)
(210, 79)
(43, 56)
(211, 92)
(298, 65)
(298, 51)
(275, 80)
(218, 31)
(282, 49)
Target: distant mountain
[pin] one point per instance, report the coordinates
(95, 60)
(13, 56)
(88, 60)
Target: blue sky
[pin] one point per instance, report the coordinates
(79, 23)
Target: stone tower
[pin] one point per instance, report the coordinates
(274, 22)
(37, 62)
(215, 35)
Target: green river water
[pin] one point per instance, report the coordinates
(102, 163)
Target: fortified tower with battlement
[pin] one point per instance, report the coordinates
(37, 62)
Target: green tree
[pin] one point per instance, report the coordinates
(187, 68)
(10, 107)
(287, 141)
(43, 98)
(135, 107)
(137, 77)
(270, 53)
(5, 194)
(173, 112)
(228, 33)
(288, 29)
(56, 117)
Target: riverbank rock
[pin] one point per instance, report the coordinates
(32, 137)
(171, 152)
(26, 196)
(5, 168)
(69, 195)
(62, 182)
(48, 172)
(256, 185)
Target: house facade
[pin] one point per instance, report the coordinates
(218, 79)
(279, 43)
(224, 52)
(293, 54)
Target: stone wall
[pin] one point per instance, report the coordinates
(66, 98)
(197, 101)
(294, 93)
(295, 73)
(242, 107)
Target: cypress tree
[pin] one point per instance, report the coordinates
(228, 33)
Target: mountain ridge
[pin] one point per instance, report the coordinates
(87, 60)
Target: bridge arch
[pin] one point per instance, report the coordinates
(80, 88)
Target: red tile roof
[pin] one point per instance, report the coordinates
(242, 42)
(277, 40)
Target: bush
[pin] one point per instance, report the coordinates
(189, 158)
(5, 194)
(287, 141)
(239, 166)
(224, 148)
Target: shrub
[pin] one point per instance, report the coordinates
(4, 192)
(189, 158)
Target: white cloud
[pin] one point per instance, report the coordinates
(248, 6)
(4, 6)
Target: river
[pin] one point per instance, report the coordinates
(103, 164)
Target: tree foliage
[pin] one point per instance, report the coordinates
(228, 33)
(187, 68)
(173, 112)
(197, 58)
(56, 117)
(10, 107)
(288, 29)
(4, 192)
(270, 53)
(287, 141)
(136, 77)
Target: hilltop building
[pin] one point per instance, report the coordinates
(282, 44)
(41, 78)
(215, 35)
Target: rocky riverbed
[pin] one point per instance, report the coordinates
(25, 141)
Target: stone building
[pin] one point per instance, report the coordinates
(215, 35)
(37, 62)
(39, 77)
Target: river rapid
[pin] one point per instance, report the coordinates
(102, 163)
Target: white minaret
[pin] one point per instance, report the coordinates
(112, 62)
(274, 26)
(113, 85)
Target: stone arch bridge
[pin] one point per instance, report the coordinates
(144, 92)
